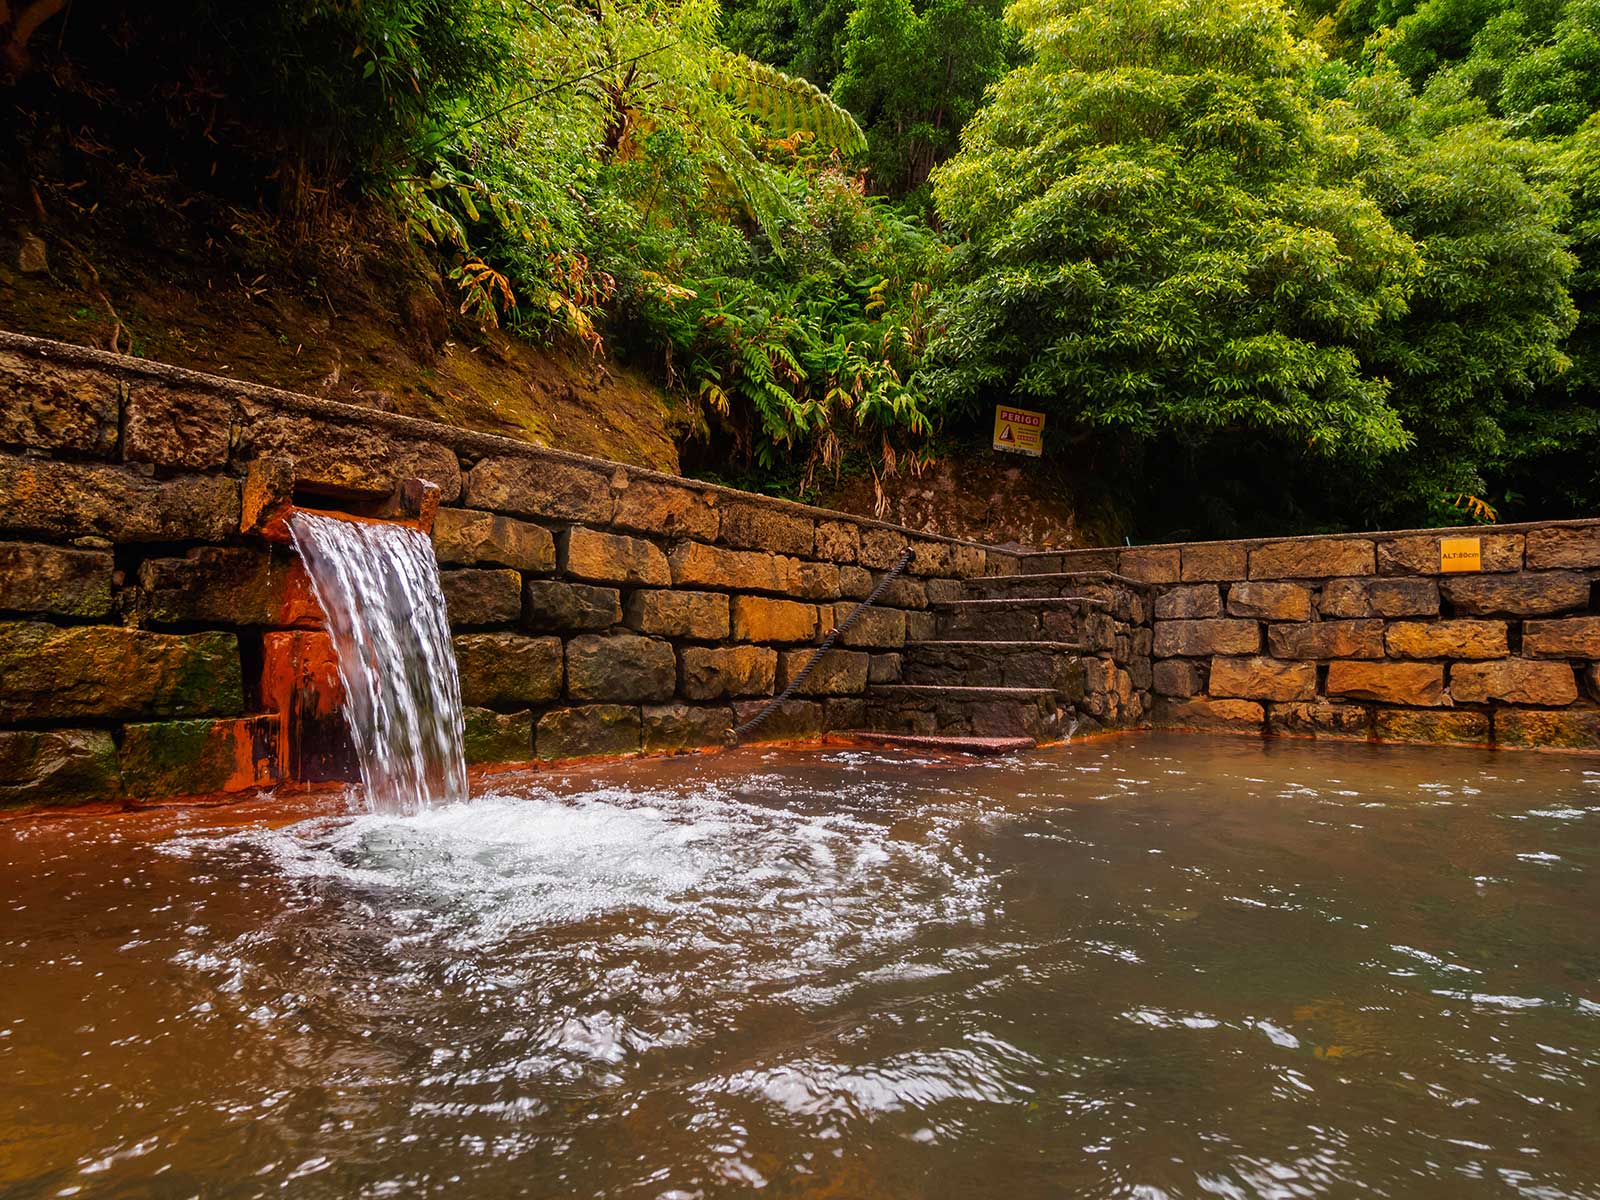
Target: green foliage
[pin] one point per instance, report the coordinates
(916, 76)
(1158, 244)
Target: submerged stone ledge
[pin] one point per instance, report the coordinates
(149, 648)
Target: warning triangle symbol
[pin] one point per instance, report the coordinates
(1005, 434)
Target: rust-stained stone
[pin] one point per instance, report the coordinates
(44, 406)
(1575, 637)
(1188, 602)
(881, 548)
(1379, 598)
(492, 737)
(1178, 677)
(1320, 718)
(1223, 561)
(200, 757)
(472, 538)
(219, 585)
(71, 500)
(702, 616)
(173, 427)
(670, 728)
(108, 671)
(713, 672)
(838, 541)
(588, 730)
(1262, 679)
(1270, 601)
(1151, 565)
(621, 666)
(672, 510)
(1564, 547)
(612, 558)
(1327, 639)
(350, 457)
(1419, 555)
(759, 620)
(1422, 725)
(1447, 639)
(1314, 558)
(57, 766)
(52, 579)
(1517, 595)
(750, 525)
(1414, 683)
(1575, 729)
(1515, 681)
(536, 487)
(838, 672)
(553, 607)
(1200, 713)
(1203, 638)
(482, 597)
(874, 629)
(507, 670)
(793, 719)
(699, 566)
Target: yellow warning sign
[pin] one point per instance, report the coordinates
(1460, 554)
(1018, 430)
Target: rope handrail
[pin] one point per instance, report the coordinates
(736, 734)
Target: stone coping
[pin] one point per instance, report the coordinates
(1375, 535)
(462, 441)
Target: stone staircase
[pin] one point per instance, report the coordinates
(1034, 656)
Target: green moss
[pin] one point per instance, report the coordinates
(493, 737)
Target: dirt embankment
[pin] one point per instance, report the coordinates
(380, 333)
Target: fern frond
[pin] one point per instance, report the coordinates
(784, 103)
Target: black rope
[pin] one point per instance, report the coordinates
(736, 734)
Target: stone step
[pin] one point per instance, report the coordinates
(1047, 584)
(985, 746)
(1038, 713)
(1037, 664)
(1050, 618)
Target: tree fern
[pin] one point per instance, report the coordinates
(783, 103)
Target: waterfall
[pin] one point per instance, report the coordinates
(378, 585)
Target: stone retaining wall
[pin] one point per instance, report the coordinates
(149, 648)
(1365, 636)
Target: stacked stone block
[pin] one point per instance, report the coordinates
(148, 648)
(1365, 637)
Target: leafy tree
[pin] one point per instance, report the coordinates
(914, 76)
(1158, 244)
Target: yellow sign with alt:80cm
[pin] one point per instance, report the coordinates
(1460, 554)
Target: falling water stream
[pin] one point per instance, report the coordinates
(378, 584)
